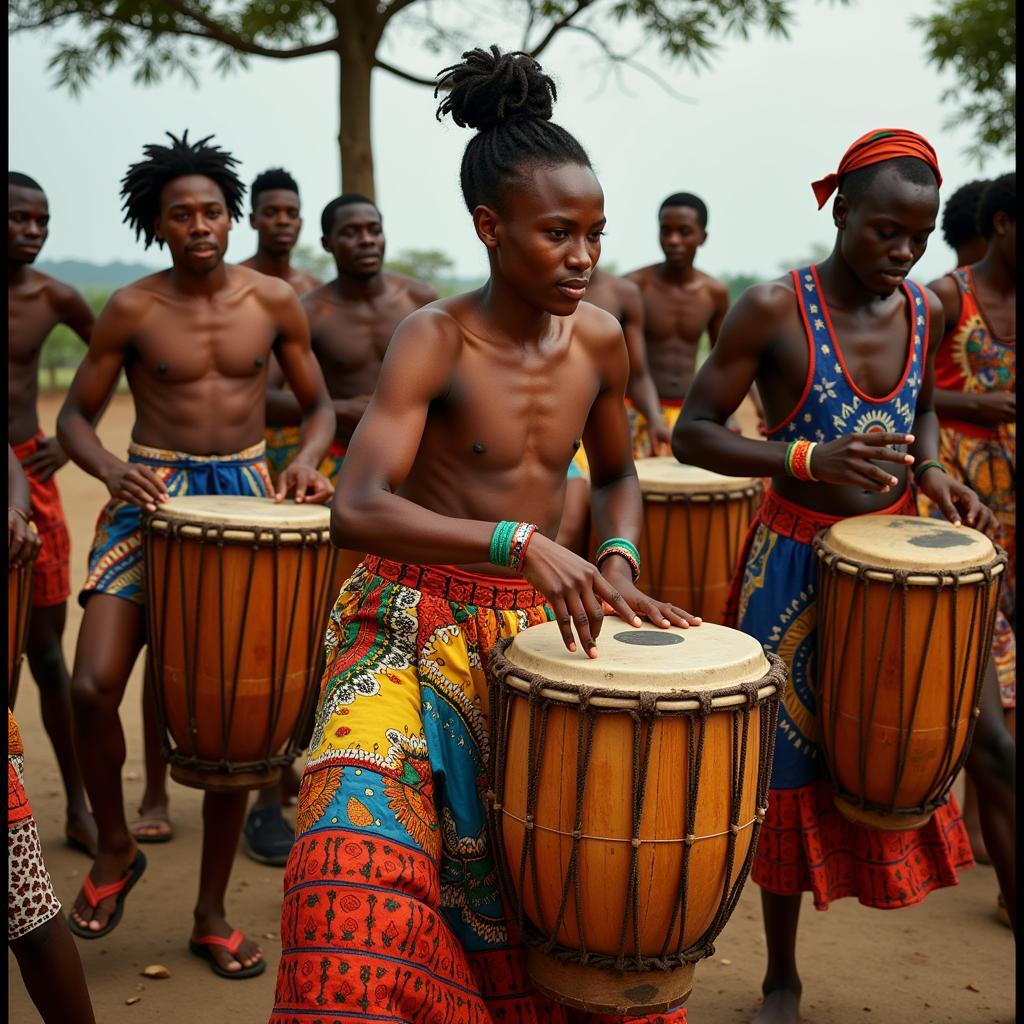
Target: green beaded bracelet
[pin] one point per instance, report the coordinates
(501, 543)
(625, 548)
(929, 464)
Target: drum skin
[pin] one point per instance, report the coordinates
(19, 602)
(236, 636)
(694, 525)
(900, 667)
(674, 768)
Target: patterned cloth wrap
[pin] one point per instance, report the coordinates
(670, 410)
(116, 560)
(51, 578)
(283, 445)
(805, 843)
(391, 909)
(971, 358)
(31, 901)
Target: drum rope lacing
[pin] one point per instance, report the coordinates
(983, 603)
(306, 540)
(644, 718)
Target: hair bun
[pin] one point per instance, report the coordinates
(490, 88)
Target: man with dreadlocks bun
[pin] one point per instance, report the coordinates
(481, 403)
(194, 342)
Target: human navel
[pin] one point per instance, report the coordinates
(576, 445)
(161, 368)
(479, 448)
(258, 362)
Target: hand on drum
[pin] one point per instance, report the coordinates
(579, 594)
(22, 541)
(310, 485)
(46, 459)
(957, 502)
(136, 484)
(850, 460)
(661, 438)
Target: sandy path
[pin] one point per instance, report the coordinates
(858, 965)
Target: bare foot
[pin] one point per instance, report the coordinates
(106, 869)
(154, 823)
(80, 832)
(248, 954)
(779, 1007)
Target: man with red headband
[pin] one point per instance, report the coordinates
(843, 356)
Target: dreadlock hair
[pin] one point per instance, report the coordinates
(142, 185)
(1000, 196)
(960, 216)
(347, 199)
(855, 184)
(690, 200)
(20, 180)
(507, 98)
(269, 181)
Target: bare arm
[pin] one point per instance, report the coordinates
(22, 540)
(721, 296)
(640, 387)
(75, 312)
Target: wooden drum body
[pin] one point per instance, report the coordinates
(19, 606)
(906, 610)
(628, 793)
(237, 594)
(695, 522)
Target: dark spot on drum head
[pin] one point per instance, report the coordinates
(940, 539)
(648, 638)
(642, 993)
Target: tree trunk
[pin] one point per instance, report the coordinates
(354, 140)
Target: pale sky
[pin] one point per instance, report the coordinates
(766, 119)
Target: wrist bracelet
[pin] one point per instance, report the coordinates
(18, 511)
(509, 543)
(625, 549)
(929, 464)
(798, 459)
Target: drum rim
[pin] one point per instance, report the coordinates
(197, 529)
(745, 486)
(754, 692)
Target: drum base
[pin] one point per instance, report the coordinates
(601, 991)
(224, 782)
(881, 822)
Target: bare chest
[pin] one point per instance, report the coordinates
(677, 314)
(29, 321)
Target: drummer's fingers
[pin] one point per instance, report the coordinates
(564, 622)
(156, 485)
(881, 439)
(137, 495)
(581, 621)
(881, 477)
(680, 617)
(619, 605)
(948, 508)
(594, 607)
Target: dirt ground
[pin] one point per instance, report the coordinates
(947, 959)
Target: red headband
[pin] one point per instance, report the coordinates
(872, 148)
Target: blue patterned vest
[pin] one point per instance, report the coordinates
(831, 404)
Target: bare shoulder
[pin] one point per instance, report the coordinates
(717, 288)
(401, 285)
(938, 295)
(626, 289)
(441, 324)
(596, 327)
(273, 290)
(770, 302)
(642, 276)
(139, 296)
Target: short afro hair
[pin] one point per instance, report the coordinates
(1000, 196)
(960, 215)
(690, 200)
(20, 180)
(142, 185)
(348, 199)
(855, 184)
(271, 180)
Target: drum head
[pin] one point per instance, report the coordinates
(664, 475)
(645, 659)
(909, 542)
(242, 511)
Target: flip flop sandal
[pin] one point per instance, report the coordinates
(94, 895)
(201, 948)
(142, 837)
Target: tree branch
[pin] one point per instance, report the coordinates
(415, 79)
(581, 5)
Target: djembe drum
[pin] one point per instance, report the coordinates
(19, 605)
(628, 793)
(906, 611)
(694, 525)
(237, 595)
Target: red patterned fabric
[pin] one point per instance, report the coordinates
(807, 845)
(51, 582)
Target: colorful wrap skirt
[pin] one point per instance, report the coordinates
(283, 445)
(988, 465)
(31, 901)
(51, 576)
(392, 911)
(115, 559)
(805, 843)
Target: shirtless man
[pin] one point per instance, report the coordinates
(194, 342)
(680, 304)
(481, 402)
(351, 318)
(36, 303)
(824, 343)
(624, 301)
